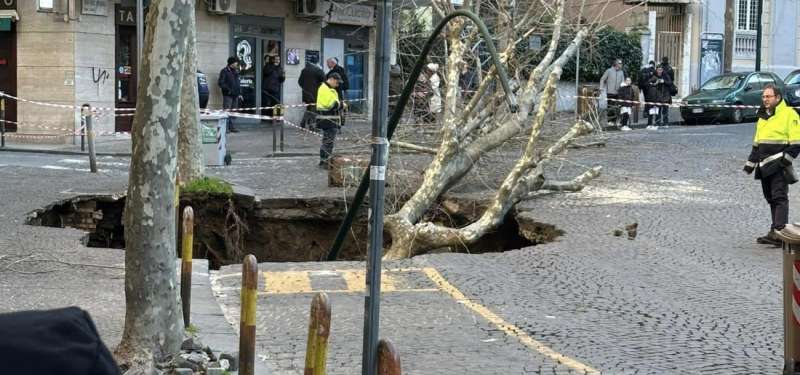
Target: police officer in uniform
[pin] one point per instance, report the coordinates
(776, 144)
(329, 119)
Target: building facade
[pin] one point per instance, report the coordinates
(691, 34)
(75, 52)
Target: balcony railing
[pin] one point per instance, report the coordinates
(744, 44)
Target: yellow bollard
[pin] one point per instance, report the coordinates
(388, 359)
(247, 323)
(186, 263)
(319, 329)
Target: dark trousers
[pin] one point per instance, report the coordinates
(229, 102)
(662, 118)
(776, 191)
(612, 107)
(309, 116)
(328, 138)
(625, 118)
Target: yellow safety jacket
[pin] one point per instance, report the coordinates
(327, 107)
(776, 142)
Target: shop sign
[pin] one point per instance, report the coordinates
(126, 16)
(94, 7)
(349, 14)
(8, 4)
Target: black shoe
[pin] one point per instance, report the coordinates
(233, 130)
(770, 239)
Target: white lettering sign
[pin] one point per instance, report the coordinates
(349, 14)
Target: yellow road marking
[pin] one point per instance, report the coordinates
(506, 327)
(288, 282)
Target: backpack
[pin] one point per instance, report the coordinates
(673, 90)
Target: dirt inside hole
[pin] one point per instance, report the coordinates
(274, 230)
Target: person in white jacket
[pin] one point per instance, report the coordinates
(436, 93)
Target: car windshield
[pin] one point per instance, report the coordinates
(722, 82)
(793, 78)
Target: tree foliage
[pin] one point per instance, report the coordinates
(600, 50)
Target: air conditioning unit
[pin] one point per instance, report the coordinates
(309, 8)
(222, 6)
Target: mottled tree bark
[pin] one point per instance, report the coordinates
(469, 134)
(191, 165)
(153, 327)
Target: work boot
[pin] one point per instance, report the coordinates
(771, 238)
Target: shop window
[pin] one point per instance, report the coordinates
(46, 5)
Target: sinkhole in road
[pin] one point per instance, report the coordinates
(276, 230)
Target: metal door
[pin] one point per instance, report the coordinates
(669, 35)
(8, 73)
(125, 75)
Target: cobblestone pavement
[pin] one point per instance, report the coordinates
(692, 294)
(44, 268)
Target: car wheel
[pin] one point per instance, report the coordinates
(736, 115)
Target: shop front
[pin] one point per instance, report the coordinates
(255, 41)
(347, 38)
(8, 59)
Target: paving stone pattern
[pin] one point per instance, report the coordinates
(692, 294)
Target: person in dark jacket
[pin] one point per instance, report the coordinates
(333, 65)
(625, 93)
(467, 81)
(202, 89)
(667, 68)
(271, 82)
(230, 84)
(660, 84)
(644, 76)
(344, 85)
(396, 86)
(53, 342)
(310, 78)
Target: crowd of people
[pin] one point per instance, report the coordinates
(656, 83)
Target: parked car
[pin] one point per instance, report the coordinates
(791, 89)
(731, 89)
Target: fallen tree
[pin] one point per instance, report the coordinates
(469, 129)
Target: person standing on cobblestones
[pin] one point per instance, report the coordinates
(776, 144)
(230, 84)
(328, 118)
(611, 81)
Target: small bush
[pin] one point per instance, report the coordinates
(208, 185)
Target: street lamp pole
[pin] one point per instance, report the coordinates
(377, 177)
(758, 35)
(139, 34)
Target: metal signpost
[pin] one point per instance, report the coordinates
(380, 149)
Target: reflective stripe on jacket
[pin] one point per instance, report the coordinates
(776, 141)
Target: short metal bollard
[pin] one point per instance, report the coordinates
(247, 323)
(319, 329)
(388, 359)
(186, 264)
(277, 111)
(86, 111)
(791, 298)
